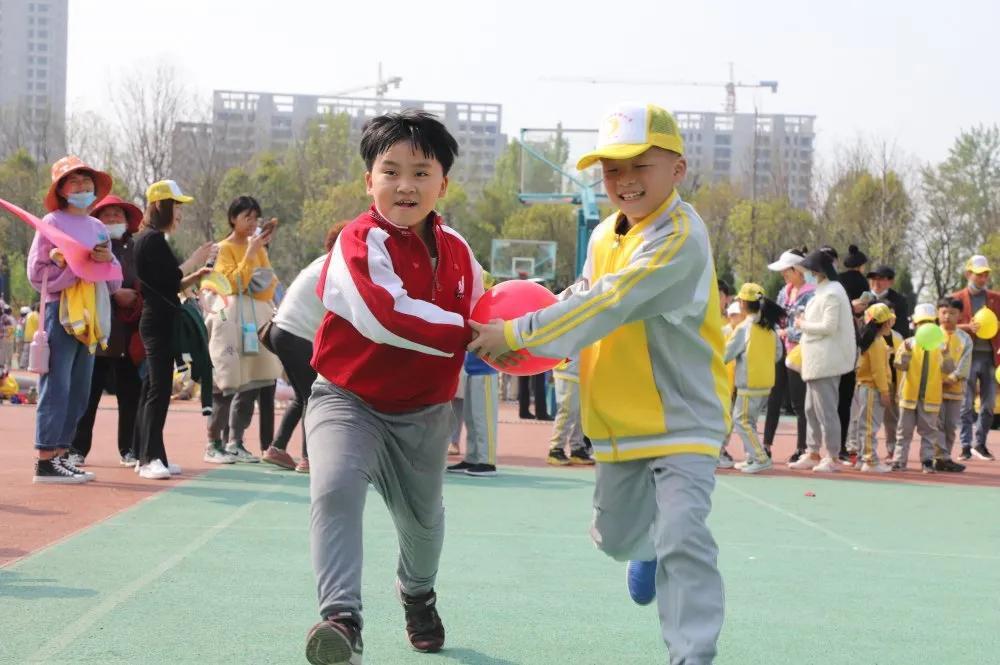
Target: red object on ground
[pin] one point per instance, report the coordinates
(510, 300)
(810, 493)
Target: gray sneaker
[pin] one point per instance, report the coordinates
(128, 459)
(241, 454)
(216, 455)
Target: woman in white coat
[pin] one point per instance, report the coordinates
(829, 350)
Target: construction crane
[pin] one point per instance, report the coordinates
(380, 87)
(730, 85)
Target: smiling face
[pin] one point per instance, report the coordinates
(406, 184)
(245, 223)
(638, 186)
(75, 183)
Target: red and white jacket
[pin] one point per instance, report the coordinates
(396, 328)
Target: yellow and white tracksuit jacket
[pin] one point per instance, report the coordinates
(645, 319)
(753, 351)
(960, 351)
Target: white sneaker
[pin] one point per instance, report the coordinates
(826, 465)
(174, 469)
(215, 456)
(127, 460)
(76, 459)
(154, 471)
(241, 454)
(877, 467)
(753, 466)
(804, 463)
(725, 461)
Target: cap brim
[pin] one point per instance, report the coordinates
(779, 265)
(616, 151)
(979, 271)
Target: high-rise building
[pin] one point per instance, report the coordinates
(763, 155)
(33, 37)
(246, 123)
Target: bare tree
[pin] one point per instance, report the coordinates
(91, 137)
(149, 102)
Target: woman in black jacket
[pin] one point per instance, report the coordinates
(161, 277)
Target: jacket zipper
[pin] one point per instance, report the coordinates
(430, 259)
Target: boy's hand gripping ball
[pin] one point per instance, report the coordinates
(510, 300)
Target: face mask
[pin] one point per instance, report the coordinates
(810, 278)
(81, 200)
(974, 288)
(117, 230)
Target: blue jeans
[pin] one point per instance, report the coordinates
(64, 390)
(981, 373)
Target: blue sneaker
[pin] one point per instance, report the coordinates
(640, 578)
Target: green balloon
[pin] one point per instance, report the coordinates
(930, 336)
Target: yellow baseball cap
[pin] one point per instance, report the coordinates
(164, 190)
(924, 312)
(632, 129)
(879, 313)
(750, 292)
(978, 264)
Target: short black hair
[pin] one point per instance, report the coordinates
(240, 205)
(951, 303)
(724, 287)
(424, 132)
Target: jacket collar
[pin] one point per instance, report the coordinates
(433, 218)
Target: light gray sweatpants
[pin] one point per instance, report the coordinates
(351, 445)
(926, 425)
(482, 414)
(890, 420)
(949, 423)
(746, 412)
(866, 419)
(822, 419)
(657, 509)
(567, 428)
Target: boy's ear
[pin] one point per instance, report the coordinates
(444, 187)
(368, 182)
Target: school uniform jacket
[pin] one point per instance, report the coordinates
(960, 351)
(754, 350)
(395, 331)
(645, 319)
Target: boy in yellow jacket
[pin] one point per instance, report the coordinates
(646, 320)
(959, 348)
(873, 393)
(920, 387)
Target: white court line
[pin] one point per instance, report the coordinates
(64, 639)
(798, 518)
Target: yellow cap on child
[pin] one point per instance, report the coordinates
(879, 313)
(629, 130)
(750, 292)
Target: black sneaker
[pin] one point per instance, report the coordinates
(983, 453)
(51, 471)
(335, 641)
(580, 458)
(461, 467)
(966, 453)
(526, 416)
(423, 625)
(948, 466)
(926, 466)
(795, 456)
(845, 458)
(481, 470)
(557, 457)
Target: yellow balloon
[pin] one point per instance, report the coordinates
(988, 324)
(998, 374)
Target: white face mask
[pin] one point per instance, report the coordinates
(116, 231)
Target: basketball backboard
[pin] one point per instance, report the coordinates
(523, 259)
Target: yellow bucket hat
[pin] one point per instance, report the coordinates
(750, 292)
(163, 190)
(632, 129)
(879, 313)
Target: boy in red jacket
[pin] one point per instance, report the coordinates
(399, 287)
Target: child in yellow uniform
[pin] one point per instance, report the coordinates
(647, 322)
(754, 347)
(960, 347)
(874, 392)
(920, 388)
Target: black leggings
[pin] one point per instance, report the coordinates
(847, 385)
(154, 399)
(786, 381)
(525, 386)
(121, 376)
(294, 352)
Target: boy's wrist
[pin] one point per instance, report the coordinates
(510, 336)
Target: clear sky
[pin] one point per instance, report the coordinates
(913, 72)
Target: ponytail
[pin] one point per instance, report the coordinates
(868, 334)
(770, 312)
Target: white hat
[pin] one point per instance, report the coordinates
(734, 308)
(25, 310)
(924, 312)
(787, 260)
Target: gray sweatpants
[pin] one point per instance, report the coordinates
(657, 509)
(746, 411)
(890, 421)
(233, 412)
(926, 425)
(567, 428)
(351, 445)
(949, 422)
(866, 419)
(481, 414)
(822, 418)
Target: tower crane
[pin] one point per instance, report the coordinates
(729, 86)
(381, 86)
